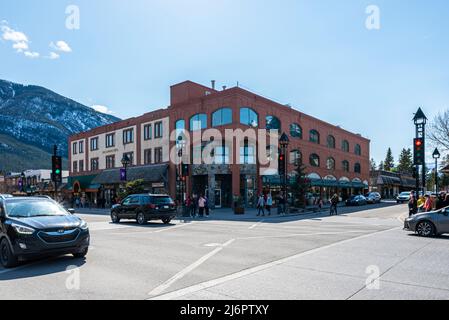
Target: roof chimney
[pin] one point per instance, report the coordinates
(224, 88)
(213, 84)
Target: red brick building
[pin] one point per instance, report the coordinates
(337, 160)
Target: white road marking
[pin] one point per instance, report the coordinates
(256, 225)
(135, 232)
(292, 235)
(158, 290)
(250, 271)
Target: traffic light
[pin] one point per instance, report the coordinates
(282, 164)
(56, 171)
(419, 152)
(185, 170)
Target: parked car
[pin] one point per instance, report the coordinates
(33, 227)
(403, 197)
(5, 196)
(373, 197)
(356, 201)
(428, 224)
(143, 208)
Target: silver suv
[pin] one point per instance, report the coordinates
(428, 224)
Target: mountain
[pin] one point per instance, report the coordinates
(33, 119)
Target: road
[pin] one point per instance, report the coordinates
(312, 257)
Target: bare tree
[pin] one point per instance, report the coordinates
(439, 130)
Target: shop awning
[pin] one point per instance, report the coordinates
(153, 173)
(388, 180)
(326, 183)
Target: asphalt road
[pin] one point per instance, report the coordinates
(358, 255)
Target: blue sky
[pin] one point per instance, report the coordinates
(316, 55)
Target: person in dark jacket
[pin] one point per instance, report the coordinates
(412, 205)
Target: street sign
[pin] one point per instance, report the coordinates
(122, 174)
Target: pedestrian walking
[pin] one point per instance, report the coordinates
(201, 206)
(428, 205)
(260, 206)
(281, 205)
(413, 205)
(269, 204)
(320, 204)
(334, 204)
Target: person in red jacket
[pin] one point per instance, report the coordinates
(428, 205)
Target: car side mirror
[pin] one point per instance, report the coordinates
(71, 211)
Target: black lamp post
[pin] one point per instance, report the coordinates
(126, 161)
(420, 121)
(22, 179)
(181, 145)
(284, 142)
(436, 155)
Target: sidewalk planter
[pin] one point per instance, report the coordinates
(239, 208)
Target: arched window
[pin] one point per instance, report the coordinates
(249, 117)
(331, 142)
(314, 160)
(198, 122)
(358, 150)
(314, 136)
(180, 124)
(273, 123)
(345, 146)
(296, 131)
(357, 168)
(222, 117)
(295, 157)
(345, 166)
(330, 164)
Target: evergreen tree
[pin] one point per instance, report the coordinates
(373, 165)
(389, 161)
(405, 161)
(381, 166)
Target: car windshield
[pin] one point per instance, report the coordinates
(33, 208)
(405, 194)
(162, 200)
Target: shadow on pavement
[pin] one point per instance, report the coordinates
(250, 215)
(41, 267)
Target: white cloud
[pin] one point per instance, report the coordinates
(102, 109)
(19, 39)
(61, 46)
(31, 55)
(9, 34)
(53, 56)
(20, 46)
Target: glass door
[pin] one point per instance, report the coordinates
(218, 199)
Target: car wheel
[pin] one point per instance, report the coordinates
(141, 218)
(425, 229)
(166, 220)
(82, 254)
(115, 218)
(7, 258)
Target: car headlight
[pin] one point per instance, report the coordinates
(23, 230)
(83, 225)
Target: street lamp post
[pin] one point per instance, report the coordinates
(126, 161)
(284, 142)
(420, 121)
(22, 185)
(436, 155)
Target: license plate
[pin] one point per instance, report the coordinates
(165, 207)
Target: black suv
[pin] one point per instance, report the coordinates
(143, 208)
(31, 227)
